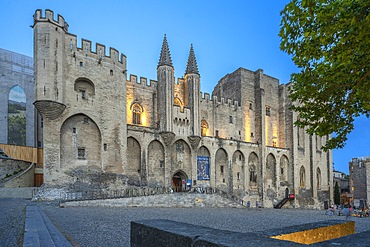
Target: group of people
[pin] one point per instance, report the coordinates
(347, 210)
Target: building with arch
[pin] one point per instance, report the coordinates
(104, 129)
(19, 123)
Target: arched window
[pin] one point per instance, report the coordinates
(178, 102)
(302, 178)
(252, 173)
(136, 113)
(318, 178)
(204, 127)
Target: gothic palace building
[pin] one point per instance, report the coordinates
(104, 130)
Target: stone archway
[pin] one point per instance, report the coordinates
(179, 179)
(80, 143)
(181, 157)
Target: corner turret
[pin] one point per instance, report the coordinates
(49, 40)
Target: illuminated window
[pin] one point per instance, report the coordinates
(204, 127)
(177, 101)
(136, 114)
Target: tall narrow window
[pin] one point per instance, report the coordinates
(204, 127)
(302, 178)
(252, 174)
(136, 114)
(318, 178)
(83, 94)
(268, 111)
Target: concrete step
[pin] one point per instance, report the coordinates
(40, 231)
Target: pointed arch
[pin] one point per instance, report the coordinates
(156, 164)
(137, 111)
(270, 175)
(222, 169)
(252, 169)
(318, 178)
(177, 101)
(17, 116)
(204, 127)
(181, 156)
(284, 168)
(238, 172)
(133, 157)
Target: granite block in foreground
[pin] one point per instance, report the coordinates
(153, 233)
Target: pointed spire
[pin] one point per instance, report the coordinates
(165, 57)
(192, 67)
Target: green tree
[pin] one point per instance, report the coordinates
(329, 43)
(336, 194)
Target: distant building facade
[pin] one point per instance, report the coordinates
(359, 177)
(104, 131)
(17, 112)
(342, 180)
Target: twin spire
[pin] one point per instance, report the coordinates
(165, 58)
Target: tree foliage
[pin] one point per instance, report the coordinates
(329, 41)
(336, 194)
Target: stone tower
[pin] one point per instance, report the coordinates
(81, 94)
(166, 80)
(192, 93)
(49, 38)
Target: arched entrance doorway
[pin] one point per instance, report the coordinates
(179, 181)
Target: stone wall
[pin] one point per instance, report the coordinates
(132, 132)
(16, 173)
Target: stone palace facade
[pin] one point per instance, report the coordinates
(104, 129)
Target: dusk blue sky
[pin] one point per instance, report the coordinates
(226, 35)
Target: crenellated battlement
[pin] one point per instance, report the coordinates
(99, 53)
(219, 102)
(143, 82)
(87, 49)
(49, 17)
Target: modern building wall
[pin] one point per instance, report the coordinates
(16, 70)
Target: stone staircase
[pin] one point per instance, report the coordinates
(40, 231)
(162, 200)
